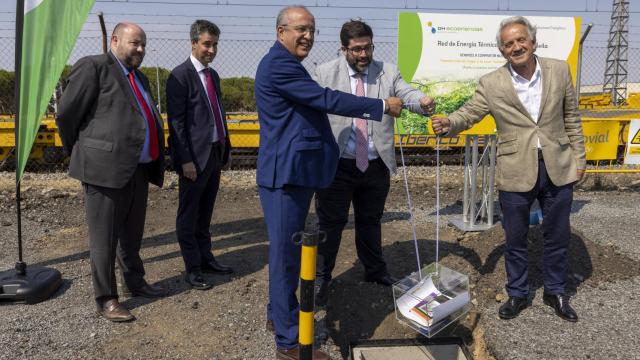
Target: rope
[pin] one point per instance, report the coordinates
(437, 202)
(410, 204)
(411, 220)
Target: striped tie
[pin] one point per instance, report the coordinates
(362, 141)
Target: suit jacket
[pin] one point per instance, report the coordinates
(383, 80)
(191, 121)
(102, 126)
(296, 143)
(558, 127)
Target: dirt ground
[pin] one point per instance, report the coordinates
(227, 322)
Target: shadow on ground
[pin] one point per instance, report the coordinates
(359, 310)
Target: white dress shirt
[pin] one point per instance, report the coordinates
(350, 149)
(529, 91)
(199, 68)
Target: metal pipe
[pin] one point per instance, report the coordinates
(21, 267)
(492, 168)
(465, 198)
(474, 179)
(103, 28)
(309, 242)
(579, 70)
(158, 85)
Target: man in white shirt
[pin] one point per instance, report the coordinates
(199, 149)
(540, 156)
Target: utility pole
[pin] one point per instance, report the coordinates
(615, 75)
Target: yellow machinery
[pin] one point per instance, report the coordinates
(244, 132)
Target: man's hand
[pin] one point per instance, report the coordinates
(189, 171)
(441, 124)
(394, 106)
(580, 174)
(428, 105)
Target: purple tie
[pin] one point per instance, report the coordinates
(362, 142)
(211, 91)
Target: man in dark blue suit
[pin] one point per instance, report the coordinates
(298, 155)
(199, 149)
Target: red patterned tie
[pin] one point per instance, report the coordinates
(362, 141)
(211, 91)
(154, 149)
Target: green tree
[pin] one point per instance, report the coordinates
(7, 90)
(237, 94)
(161, 74)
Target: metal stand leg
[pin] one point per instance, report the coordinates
(477, 206)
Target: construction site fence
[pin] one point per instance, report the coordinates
(239, 58)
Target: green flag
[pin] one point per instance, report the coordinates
(48, 36)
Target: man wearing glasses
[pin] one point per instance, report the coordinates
(367, 155)
(297, 156)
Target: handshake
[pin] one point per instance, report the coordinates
(394, 105)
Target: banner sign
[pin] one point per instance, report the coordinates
(632, 155)
(445, 54)
(600, 139)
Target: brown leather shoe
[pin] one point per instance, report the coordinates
(294, 354)
(112, 310)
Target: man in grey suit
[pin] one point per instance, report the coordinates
(367, 155)
(540, 156)
(114, 135)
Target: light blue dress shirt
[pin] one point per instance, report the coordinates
(144, 155)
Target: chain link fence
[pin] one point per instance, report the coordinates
(236, 62)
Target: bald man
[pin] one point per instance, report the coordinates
(112, 131)
(298, 155)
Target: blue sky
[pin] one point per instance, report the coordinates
(253, 21)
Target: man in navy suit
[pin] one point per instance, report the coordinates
(199, 149)
(298, 155)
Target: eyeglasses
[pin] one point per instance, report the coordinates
(301, 29)
(358, 50)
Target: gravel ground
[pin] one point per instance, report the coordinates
(609, 313)
(227, 322)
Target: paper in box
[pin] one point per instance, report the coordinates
(431, 303)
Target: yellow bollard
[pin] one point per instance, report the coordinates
(309, 242)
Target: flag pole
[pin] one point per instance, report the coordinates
(21, 266)
(39, 283)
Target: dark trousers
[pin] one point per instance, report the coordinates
(195, 209)
(115, 218)
(555, 202)
(285, 211)
(368, 192)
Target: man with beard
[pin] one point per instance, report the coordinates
(367, 156)
(199, 148)
(540, 155)
(113, 133)
(297, 156)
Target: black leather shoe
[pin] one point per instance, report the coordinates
(385, 280)
(560, 303)
(214, 267)
(146, 291)
(321, 290)
(197, 281)
(513, 307)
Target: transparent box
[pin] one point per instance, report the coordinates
(433, 302)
